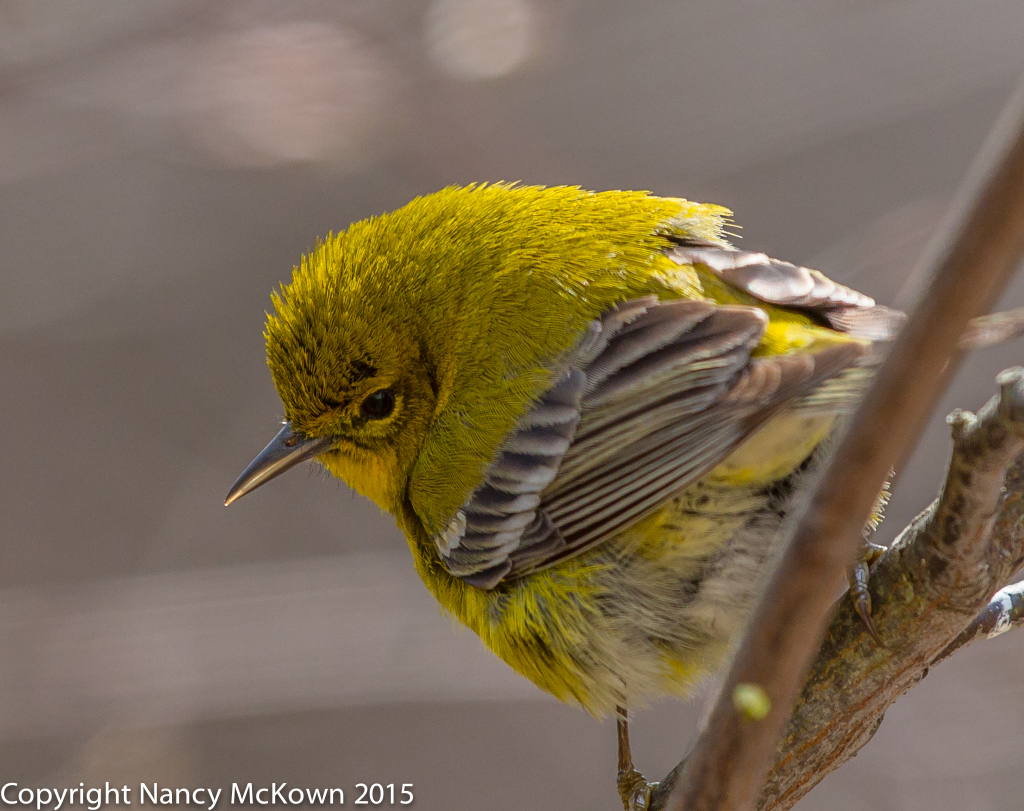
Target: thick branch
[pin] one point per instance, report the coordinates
(979, 252)
(938, 576)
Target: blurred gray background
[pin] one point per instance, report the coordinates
(162, 167)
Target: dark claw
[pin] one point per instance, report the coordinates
(863, 607)
(859, 575)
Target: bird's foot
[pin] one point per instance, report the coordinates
(859, 577)
(859, 574)
(634, 790)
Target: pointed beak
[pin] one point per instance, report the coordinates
(285, 451)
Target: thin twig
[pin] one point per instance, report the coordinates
(981, 245)
(1003, 613)
(937, 577)
(991, 330)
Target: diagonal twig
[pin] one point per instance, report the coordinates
(1003, 613)
(980, 246)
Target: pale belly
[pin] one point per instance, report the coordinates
(654, 610)
(648, 613)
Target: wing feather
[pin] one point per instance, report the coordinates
(654, 395)
(788, 285)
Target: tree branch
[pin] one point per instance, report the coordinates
(934, 580)
(978, 252)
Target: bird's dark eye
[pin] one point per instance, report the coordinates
(378, 405)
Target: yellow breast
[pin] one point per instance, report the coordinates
(775, 450)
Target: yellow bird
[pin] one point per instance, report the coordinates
(587, 412)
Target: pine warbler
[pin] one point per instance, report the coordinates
(587, 412)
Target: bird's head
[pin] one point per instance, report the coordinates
(355, 385)
(407, 347)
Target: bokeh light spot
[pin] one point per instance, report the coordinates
(287, 93)
(479, 39)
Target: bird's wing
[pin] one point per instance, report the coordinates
(788, 285)
(654, 396)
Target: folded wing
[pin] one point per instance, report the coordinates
(655, 395)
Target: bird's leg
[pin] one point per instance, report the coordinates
(634, 789)
(860, 573)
